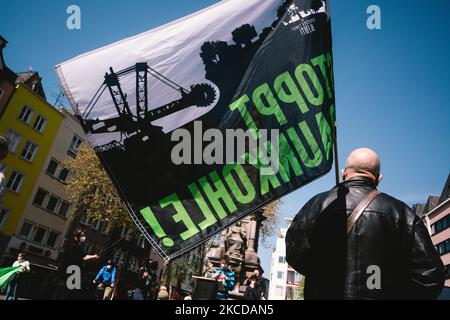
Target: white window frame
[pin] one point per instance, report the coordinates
(125, 231)
(84, 219)
(44, 119)
(30, 116)
(59, 208)
(141, 242)
(13, 143)
(58, 202)
(96, 224)
(33, 155)
(59, 175)
(44, 202)
(56, 170)
(74, 145)
(105, 230)
(58, 234)
(20, 183)
(31, 230)
(44, 238)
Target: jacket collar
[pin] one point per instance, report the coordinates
(359, 181)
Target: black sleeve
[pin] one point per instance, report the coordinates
(426, 270)
(298, 240)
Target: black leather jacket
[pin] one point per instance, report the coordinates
(388, 236)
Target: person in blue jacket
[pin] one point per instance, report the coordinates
(225, 277)
(106, 278)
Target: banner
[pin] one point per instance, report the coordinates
(7, 274)
(206, 119)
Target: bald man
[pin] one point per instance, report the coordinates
(353, 242)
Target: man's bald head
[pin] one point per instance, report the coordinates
(363, 162)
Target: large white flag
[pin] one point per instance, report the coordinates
(235, 65)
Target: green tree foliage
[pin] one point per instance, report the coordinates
(90, 188)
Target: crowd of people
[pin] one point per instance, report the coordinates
(105, 285)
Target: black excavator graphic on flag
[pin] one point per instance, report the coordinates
(127, 123)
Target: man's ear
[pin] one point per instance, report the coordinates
(380, 177)
(343, 173)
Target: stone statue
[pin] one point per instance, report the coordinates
(235, 240)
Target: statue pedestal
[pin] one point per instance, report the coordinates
(205, 288)
(243, 263)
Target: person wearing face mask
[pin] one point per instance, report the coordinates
(255, 287)
(11, 291)
(71, 257)
(225, 278)
(106, 278)
(353, 242)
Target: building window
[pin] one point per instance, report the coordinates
(125, 231)
(40, 197)
(39, 234)
(14, 139)
(15, 181)
(290, 293)
(26, 114)
(26, 229)
(3, 217)
(280, 275)
(90, 221)
(441, 224)
(105, 227)
(293, 277)
(290, 277)
(96, 224)
(29, 151)
(281, 259)
(74, 145)
(443, 247)
(119, 256)
(141, 244)
(52, 167)
(39, 123)
(133, 265)
(64, 209)
(52, 203)
(52, 237)
(447, 269)
(84, 219)
(64, 174)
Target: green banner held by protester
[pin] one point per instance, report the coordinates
(7, 274)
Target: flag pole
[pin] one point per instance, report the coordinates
(336, 157)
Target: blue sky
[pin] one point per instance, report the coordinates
(392, 85)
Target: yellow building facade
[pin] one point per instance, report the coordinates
(31, 124)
